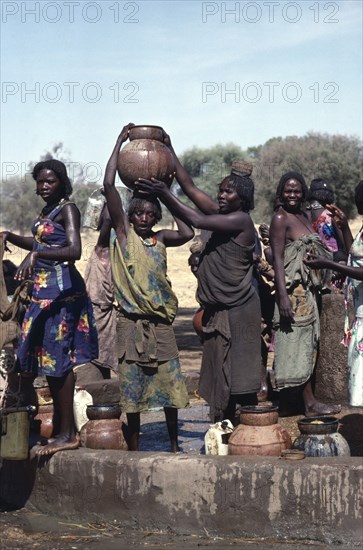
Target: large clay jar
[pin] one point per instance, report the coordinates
(146, 156)
(319, 437)
(104, 430)
(259, 433)
(43, 421)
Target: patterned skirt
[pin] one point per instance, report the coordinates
(145, 388)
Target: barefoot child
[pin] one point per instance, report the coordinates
(149, 368)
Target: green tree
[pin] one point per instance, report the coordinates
(335, 157)
(19, 203)
(209, 166)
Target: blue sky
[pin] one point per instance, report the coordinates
(208, 72)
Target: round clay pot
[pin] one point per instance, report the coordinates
(197, 322)
(319, 437)
(146, 132)
(103, 412)
(259, 433)
(318, 425)
(259, 415)
(145, 156)
(45, 420)
(103, 434)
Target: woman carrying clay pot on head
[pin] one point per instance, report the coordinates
(149, 368)
(231, 363)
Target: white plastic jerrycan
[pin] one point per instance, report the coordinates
(80, 403)
(216, 438)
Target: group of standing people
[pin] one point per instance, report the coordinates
(59, 330)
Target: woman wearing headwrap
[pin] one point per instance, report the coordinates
(321, 194)
(296, 319)
(231, 363)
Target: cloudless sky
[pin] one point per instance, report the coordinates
(208, 72)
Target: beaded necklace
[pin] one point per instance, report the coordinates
(153, 241)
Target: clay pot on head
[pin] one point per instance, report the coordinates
(319, 437)
(146, 156)
(259, 433)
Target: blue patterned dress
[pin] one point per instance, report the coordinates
(58, 330)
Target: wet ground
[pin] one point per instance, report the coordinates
(24, 530)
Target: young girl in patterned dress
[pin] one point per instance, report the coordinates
(149, 369)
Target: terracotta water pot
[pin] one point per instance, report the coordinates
(43, 421)
(319, 436)
(259, 433)
(146, 156)
(197, 322)
(104, 430)
(103, 434)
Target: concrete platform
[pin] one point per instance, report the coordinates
(313, 499)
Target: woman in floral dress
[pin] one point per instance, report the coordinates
(354, 272)
(58, 330)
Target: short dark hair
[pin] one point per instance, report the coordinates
(60, 171)
(291, 176)
(322, 191)
(245, 189)
(139, 201)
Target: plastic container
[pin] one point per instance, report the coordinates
(93, 209)
(82, 398)
(14, 441)
(216, 438)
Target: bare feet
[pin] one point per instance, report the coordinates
(320, 409)
(174, 447)
(57, 444)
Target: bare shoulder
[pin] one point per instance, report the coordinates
(280, 215)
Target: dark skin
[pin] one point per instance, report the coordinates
(224, 215)
(288, 224)
(314, 215)
(318, 262)
(102, 247)
(50, 188)
(143, 221)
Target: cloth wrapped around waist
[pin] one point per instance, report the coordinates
(145, 341)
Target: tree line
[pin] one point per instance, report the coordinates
(337, 158)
